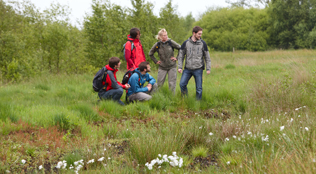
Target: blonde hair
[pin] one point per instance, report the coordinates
(162, 31)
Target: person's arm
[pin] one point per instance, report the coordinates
(119, 83)
(182, 52)
(207, 58)
(114, 83)
(128, 54)
(152, 52)
(150, 79)
(176, 46)
(135, 87)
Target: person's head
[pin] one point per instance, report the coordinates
(134, 33)
(197, 32)
(114, 62)
(144, 67)
(162, 35)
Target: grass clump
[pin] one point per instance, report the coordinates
(62, 121)
(86, 112)
(6, 112)
(230, 66)
(199, 151)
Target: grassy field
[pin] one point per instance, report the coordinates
(257, 115)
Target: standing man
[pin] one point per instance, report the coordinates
(134, 53)
(197, 55)
(137, 91)
(113, 89)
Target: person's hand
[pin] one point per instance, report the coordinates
(208, 72)
(149, 86)
(173, 59)
(159, 62)
(127, 86)
(180, 70)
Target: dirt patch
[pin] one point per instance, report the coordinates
(202, 163)
(223, 115)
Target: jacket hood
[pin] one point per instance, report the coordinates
(131, 39)
(137, 69)
(111, 69)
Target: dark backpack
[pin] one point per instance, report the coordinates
(127, 76)
(98, 80)
(132, 47)
(158, 45)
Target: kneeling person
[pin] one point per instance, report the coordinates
(114, 89)
(137, 91)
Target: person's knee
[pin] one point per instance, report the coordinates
(120, 91)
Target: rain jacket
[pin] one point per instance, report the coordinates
(137, 82)
(111, 80)
(196, 53)
(136, 56)
(165, 52)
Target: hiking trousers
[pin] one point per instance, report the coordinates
(114, 94)
(172, 78)
(143, 96)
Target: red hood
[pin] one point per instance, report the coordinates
(111, 69)
(131, 39)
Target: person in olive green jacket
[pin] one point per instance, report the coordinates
(167, 62)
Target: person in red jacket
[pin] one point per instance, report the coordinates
(114, 89)
(134, 53)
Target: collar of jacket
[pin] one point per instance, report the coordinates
(164, 41)
(131, 39)
(111, 69)
(198, 41)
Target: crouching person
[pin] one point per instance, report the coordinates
(113, 89)
(137, 91)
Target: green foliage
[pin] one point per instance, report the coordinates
(239, 28)
(292, 23)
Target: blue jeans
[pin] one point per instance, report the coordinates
(114, 94)
(186, 76)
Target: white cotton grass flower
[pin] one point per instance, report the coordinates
(226, 139)
(228, 162)
(90, 161)
(173, 160)
(266, 138)
(281, 128)
(40, 167)
(109, 158)
(211, 134)
(314, 160)
(101, 159)
(23, 161)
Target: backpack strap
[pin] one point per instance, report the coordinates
(170, 43)
(138, 78)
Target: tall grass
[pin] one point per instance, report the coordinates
(256, 115)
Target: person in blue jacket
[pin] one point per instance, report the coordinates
(137, 91)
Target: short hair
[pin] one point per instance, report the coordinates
(143, 65)
(134, 32)
(160, 33)
(197, 29)
(114, 61)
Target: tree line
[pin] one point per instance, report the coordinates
(34, 42)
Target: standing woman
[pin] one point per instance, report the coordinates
(167, 61)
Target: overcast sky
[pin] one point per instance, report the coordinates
(80, 7)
